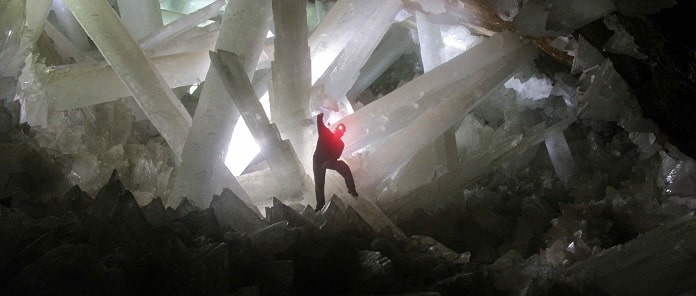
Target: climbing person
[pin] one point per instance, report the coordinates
(328, 150)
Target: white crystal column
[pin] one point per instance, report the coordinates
(458, 99)
(430, 42)
(244, 28)
(291, 76)
(469, 170)
(64, 46)
(335, 30)
(194, 39)
(11, 28)
(440, 152)
(136, 71)
(181, 25)
(561, 157)
(395, 44)
(35, 17)
(279, 154)
(343, 72)
(140, 17)
(70, 26)
(76, 86)
(34, 105)
(398, 108)
(230, 182)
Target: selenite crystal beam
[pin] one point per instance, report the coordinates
(278, 153)
(658, 262)
(430, 42)
(71, 28)
(396, 43)
(181, 25)
(291, 75)
(64, 46)
(440, 152)
(194, 39)
(561, 157)
(395, 110)
(12, 20)
(245, 25)
(230, 182)
(135, 70)
(373, 215)
(76, 86)
(468, 171)
(140, 17)
(343, 72)
(457, 100)
(335, 30)
(35, 17)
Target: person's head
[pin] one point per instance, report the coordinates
(340, 130)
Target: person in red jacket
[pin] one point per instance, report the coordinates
(326, 154)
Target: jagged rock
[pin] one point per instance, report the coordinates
(68, 270)
(6, 120)
(275, 238)
(243, 254)
(117, 216)
(358, 225)
(155, 213)
(29, 178)
(170, 268)
(232, 211)
(310, 214)
(657, 262)
(29, 254)
(76, 200)
(664, 81)
(184, 208)
(215, 257)
(336, 221)
(507, 272)
(276, 277)
(282, 212)
(421, 256)
(376, 273)
(201, 224)
(424, 249)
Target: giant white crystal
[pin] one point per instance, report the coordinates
(134, 69)
(244, 28)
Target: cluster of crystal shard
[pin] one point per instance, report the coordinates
(494, 149)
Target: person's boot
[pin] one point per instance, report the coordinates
(353, 192)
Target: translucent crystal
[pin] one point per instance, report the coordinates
(70, 27)
(140, 17)
(279, 154)
(561, 157)
(75, 86)
(457, 100)
(135, 70)
(180, 25)
(216, 115)
(291, 75)
(395, 110)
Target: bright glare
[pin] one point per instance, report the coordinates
(193, 88)
(269, 34)
(243, 148)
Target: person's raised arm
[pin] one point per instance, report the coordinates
(321, 128)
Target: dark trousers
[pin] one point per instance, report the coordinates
(320, 177)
